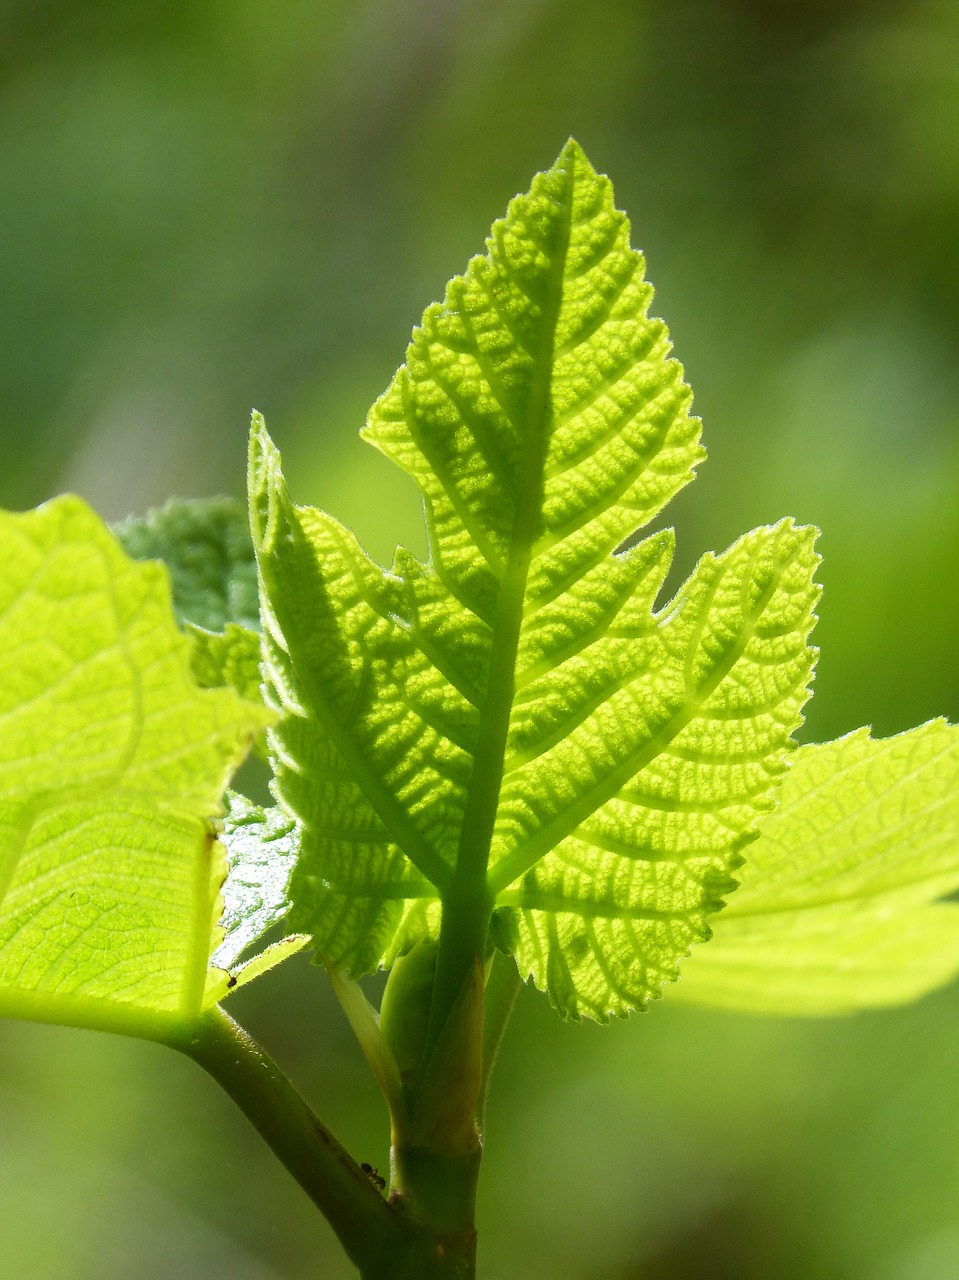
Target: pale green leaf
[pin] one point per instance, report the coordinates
(514, 719)
(262, 962)
(694, 729)
(205, 544)
(112, 765)
(838, 908)
(226, 658)
(221, 983)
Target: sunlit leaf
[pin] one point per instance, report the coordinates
(227, 658)
(514, 718)
(112, 765)
(839, 907)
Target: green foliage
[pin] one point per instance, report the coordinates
(514, 715)
(837, 909)
(515, 723)
(261, 851)
(508, 759)
(230, 657)
(205, 544)
(112, 765)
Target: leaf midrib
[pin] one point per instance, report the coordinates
(489, 757)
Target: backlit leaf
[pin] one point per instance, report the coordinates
(839, 905)
(515, 719)
(228, 658)
(112, 765)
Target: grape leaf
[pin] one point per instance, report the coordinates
(205, 544)
(112, 765)
(514, 719)
(838, 908)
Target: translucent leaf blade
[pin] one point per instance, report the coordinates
(537, 405)
(838, 908)
(206, 546)
(112, 764)
(229, 658)
(625, 820)
(487, 705)
(349, 758)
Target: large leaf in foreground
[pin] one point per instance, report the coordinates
(112, 765)
(838, 905)
(512, 721)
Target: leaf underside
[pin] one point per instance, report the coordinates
(517, 702)
(112, 765)
(262, 847)
(839, 904)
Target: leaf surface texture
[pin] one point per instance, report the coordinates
(262, 846)
(112, 765)
(515, 717)
(205, 544)
(839, 904)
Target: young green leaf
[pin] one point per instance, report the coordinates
(228, 658)
(112, 765)
(205, 544)
(513, 724)
(838, 905)
(262, 846)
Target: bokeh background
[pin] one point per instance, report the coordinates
(211, 206)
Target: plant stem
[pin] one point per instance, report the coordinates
(441, 1189)
(374, 1235)
(502, 987)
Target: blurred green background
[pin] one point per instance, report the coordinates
(210, 206)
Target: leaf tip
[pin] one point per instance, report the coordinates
(261, 446)
(264, 481)
(571, 153)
